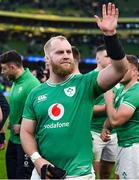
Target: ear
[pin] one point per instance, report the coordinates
(47, 59)
(46, 65)
(13, 66)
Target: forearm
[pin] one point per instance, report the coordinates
(99, 110)
(112, 114)
(28, 142)
(1, 116)
(116, 52)
(107, 125)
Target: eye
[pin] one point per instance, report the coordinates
(59, 52)
(68, 51)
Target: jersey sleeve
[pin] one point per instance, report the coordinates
(34, 83)
(28, 111)
(131, 98)
(92, 83)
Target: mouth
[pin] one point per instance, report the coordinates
(66, 62)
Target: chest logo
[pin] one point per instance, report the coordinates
(56, 111)
(42, 98)
(70, 91)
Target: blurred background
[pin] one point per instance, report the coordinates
(26, 25)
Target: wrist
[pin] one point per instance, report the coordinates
(35, 156)
(109, 33)
(114, 48)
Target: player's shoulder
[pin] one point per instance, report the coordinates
(38, 88)
(85, 75)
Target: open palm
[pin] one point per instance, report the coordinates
(110, 18)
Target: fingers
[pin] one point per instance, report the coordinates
(109, 11)
(104, 12)
(117, 13)
(113, 9)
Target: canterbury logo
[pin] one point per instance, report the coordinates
(42, 97)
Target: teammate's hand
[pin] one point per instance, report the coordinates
(105, 135)
(109, 20)
(17, 128)
(3, 145)
(109, 95)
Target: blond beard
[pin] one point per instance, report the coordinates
(61, 71)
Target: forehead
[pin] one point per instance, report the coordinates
(4, 65)
(58, 44)
(101, 53)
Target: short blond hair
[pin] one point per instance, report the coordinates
(48, 43)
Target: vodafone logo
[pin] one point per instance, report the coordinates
(56, 111)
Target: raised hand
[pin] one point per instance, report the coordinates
(109, 20)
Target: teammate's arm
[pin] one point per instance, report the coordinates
(109, 76)
(99, 110)
(118, 116)
(1, 116)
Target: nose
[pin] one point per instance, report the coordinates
(66, 55)
(2, 71)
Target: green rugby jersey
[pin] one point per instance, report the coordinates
(128, 133)
(63, 113)
(98, 120)
(19, 92)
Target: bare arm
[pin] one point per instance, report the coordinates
(28, 141)
(1, 116)
(112, 74)
(99, 110)
(119, 116)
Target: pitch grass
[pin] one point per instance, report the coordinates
(2, 165)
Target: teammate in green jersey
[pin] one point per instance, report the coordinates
(104, 152)
(77, 58)
(124, 115)
(17, 162)
(57, 115)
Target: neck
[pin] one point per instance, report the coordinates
(57, 79)
(76, 71)
(129, 84)
(18, 72)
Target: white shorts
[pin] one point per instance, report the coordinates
(35, 176)
(106, 151)
(127, 162)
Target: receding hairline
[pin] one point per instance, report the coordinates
(49, 42)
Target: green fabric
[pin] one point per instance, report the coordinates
(19, 92)
(63, 113)
(128, 133)
(98, 121)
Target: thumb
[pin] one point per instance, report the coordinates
(97, 20)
